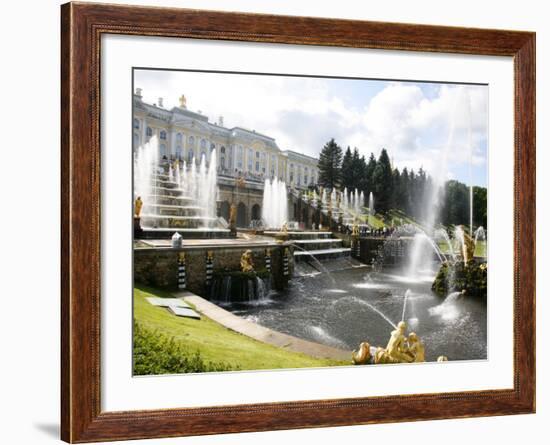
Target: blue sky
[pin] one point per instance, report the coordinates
(439, 127)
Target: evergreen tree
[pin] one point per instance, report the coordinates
(347, 170)
(383, 182)
(330, 165)
(480, 206)
(358, 168)
(369, 174)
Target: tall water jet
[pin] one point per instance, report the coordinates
(434, 197)
(146, 162)
(405, 298)
(274, 204)
(480, 236)
(371, 207)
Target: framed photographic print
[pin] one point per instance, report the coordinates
(279, 222)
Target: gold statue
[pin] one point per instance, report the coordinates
(363, 355)
(355, 228)
(469, 247)
(397, 347)
(416, 348)
(137, 206)
(284, 228)
(382, 357)
(183, 101)
(442, 358)
(247, 265)
(233, 215)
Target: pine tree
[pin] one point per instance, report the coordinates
(369, 174)
(330, 165)
(347, 170)
(383, 182)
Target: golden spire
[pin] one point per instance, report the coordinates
(183, 101)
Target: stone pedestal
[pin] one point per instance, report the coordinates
(137, 227)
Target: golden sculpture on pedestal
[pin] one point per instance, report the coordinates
(400, 349)
(233, 216)
(138, 204)
(469, 247)
(247, 264)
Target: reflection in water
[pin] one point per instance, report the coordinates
(363, 306)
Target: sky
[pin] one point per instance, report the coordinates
(439, 127)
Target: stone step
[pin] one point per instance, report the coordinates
(323, 252)
(318, 241)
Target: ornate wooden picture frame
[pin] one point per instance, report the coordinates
(82, 27)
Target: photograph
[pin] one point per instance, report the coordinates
(306, 221)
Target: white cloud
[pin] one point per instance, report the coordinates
(303, 113)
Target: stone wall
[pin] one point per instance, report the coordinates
(158, 267)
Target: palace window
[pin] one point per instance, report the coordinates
(257, 166)
(162, 150)
(191, 142)
(136, 140)
(203, 144)
(212, 146)
(179, 138)
(222, 150)
(190, 155)
(163, 135)
(149, 131)
(136, 123)
(178, 152)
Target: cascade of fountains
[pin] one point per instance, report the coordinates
(186, 186)
(275, 204)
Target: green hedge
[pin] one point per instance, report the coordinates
(155, 353)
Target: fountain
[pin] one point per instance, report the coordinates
(176, 198)
(274, 204)
(371, 208)
(480, 236)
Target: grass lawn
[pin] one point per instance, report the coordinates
(215, 342)
(479, 252)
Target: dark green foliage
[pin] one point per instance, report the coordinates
(155, 354)
(456, 206)
(383, 183)
(471, 277)
(330, 165)
(480, 206)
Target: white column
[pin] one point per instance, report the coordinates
(173, 143)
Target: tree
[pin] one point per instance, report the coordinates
(456, 207)
(480, 206)
(347, 170)
(383, 182)
(330, 165)
(369, 174)
(358, 168)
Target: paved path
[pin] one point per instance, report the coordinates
(262, 333)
